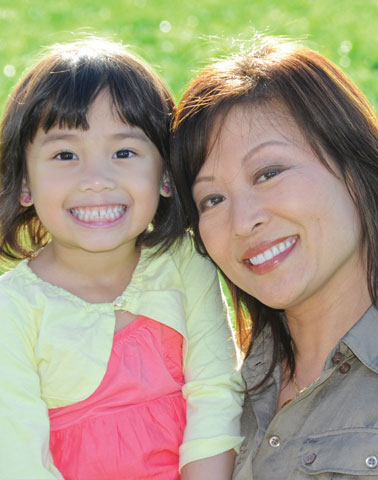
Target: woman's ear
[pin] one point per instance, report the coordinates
(165, 189)
(25, 195)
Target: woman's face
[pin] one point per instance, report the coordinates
(278, 223)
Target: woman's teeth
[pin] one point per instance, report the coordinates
(272, 252)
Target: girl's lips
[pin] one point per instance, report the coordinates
(268, 255)
(98, 215)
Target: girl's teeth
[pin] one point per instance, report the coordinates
(272, 252)
(100, 213)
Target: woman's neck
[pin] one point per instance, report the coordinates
(97, 277)
(318, 324)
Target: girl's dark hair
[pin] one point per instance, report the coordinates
(59, 90)
(335, 118)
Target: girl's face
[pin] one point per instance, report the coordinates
(278, 223)
(98, 189)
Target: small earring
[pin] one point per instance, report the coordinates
(27, 198)
(166, 189)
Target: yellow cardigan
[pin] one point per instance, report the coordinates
(54, 350)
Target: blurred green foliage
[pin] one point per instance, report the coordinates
(179, 37)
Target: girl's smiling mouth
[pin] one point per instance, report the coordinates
(95, 214)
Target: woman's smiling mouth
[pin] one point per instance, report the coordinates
(265, 258)
(273, 251)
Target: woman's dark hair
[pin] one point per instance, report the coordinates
(59, 90)
(335, 118)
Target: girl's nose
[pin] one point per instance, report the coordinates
(97, 178)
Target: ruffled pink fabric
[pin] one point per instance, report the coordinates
(131, 427)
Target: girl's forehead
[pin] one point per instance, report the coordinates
(68, 116)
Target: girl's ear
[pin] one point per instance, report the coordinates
(25, 195)
(165, 189)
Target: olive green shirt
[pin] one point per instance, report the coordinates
(328, 432)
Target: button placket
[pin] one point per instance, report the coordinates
(338, 356)
(344, 368)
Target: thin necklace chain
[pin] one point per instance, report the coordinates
(297, 389)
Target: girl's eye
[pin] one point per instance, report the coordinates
(123, 154)
(210, 202)
(66, 156)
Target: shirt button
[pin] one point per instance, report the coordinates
(274, 441)
(344, 368)
(119, 301)
(310, 459)
(372, 461)
(337, 357)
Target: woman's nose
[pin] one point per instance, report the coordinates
(248, 215)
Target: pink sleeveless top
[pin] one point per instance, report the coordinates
(131, 427)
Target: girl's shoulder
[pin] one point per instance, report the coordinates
(22, 282)
(180, 258)
(18, 301)
(20, 287)
(15, 281)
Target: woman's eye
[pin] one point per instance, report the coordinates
(66, 156)
(124, 154)
(268, 174)
(210, 202)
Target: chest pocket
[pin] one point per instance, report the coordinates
(341, 454)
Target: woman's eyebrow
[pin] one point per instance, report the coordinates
(250, 153)
(207, 178)
(261, 146)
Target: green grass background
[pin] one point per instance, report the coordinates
(179, 37)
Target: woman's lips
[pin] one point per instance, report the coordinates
(268, 255)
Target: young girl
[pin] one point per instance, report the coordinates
(114, 349)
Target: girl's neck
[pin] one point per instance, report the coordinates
(95, 277)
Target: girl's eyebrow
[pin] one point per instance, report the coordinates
(132, 133)
(53, 137)
(137, 134)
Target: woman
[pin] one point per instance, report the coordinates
(280, 152)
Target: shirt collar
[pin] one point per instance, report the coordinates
(257, 363)
(362, 339)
